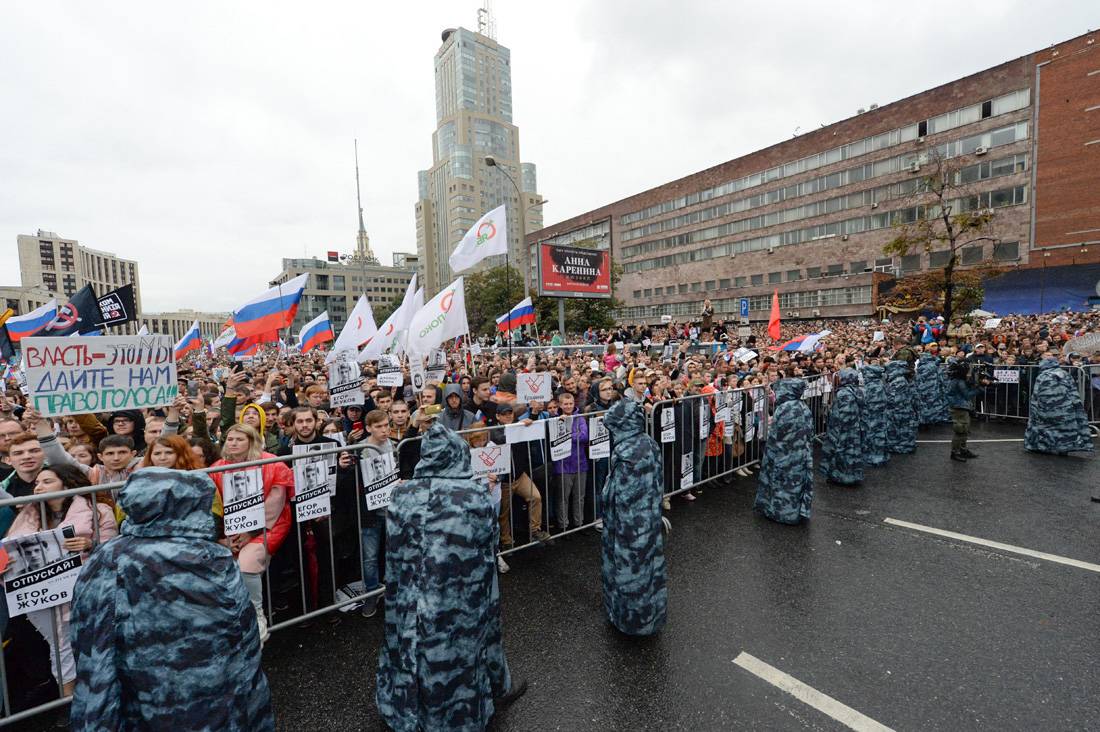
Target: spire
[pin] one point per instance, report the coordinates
(362, 241)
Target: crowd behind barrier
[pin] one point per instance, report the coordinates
(320, 473)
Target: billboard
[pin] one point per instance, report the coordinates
(573, 272)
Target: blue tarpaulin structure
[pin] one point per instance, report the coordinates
(1042, 290)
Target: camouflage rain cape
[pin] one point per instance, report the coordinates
(842, 453)
(163, 630)
(632, 543)
(930, 385)
(441, 661)
(874, 417)
(785, 486)
(901, 410)
(1056, 423)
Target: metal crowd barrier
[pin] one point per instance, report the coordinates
(597, 350)
(1009, 396)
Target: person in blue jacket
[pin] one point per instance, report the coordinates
(785, 486)
(901, 425)
(163, 630)
(842, 452)
(874, 416)
(635, 594)
(442, 664)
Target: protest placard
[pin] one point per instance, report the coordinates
(104, 374)
(389, 371)
(1006, 376)
(418, 376)
(243, 501)
(599, 439)
(40, 572)
(379, 479)
(668, 425)
(475, 349)
(704, 420)
(314, 482)
(437, 366)
(561, 433)
(533, 387)
(687, 470)
(722, 408)
(491, 460)
(878, 336)
(992, 323)
(519, 432)
(345, 380)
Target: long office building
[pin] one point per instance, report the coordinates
(62, 266)
(809, 217)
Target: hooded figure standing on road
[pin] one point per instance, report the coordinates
(931, 388)
(843, 451)
(785, 486)
(632, 544)
(1056, 422)
(442, 662)
(163, 629)
(874, 417)
(901, 424)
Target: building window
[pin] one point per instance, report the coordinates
(972, 254)
(794, 275)
(647, 293)
(910, 263)
(723, 284)
(857, 266)
(712, 285)
(1006, 251)
(683, 288)
(775, 278)
(739, 282)
(938, 260)
(757, 279)
(884, 262)
(836, 269)
(637, 294)
(812, 272)
(696, 286)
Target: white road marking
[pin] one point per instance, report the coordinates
(808, 695)
(948, 442)
(997, 545)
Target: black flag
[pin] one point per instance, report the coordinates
(79, 315)
(117, 307)
(7, 350)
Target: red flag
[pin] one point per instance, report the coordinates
(773, 319)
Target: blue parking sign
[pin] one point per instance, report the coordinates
(744, 307)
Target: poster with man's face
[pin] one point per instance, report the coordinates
(40, 572)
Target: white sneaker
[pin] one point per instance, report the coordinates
(261, 622)
(502, 565)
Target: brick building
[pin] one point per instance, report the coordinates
(809, 216)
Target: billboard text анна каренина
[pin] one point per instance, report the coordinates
(574, 272)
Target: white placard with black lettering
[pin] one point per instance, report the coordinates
(379, 478)
(687, 470)
(40, 572)
(437, 366)
(599, 439)
(345, 380)
(314, 482)
(722, 409)
(475, 349)
(704, 419)
(561, 433)
(243, 501)
(389, 371)
(519, 432)
(491, 460)
(533, 387)
(1006, 376)
(418, 375)
(668, 425)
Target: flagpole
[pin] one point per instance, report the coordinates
(507, 299)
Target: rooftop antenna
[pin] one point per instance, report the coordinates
(486, 23)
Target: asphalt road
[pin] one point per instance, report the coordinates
(913, 630)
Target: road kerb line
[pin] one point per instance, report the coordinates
(808, 695)
(996, 545)
(948, 442)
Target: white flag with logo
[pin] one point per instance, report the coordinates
(440, 320)
(359, 329)
(225, 337)
(389, 334)
(488, 237)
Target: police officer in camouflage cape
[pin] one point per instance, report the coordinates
(931, 390)
(842, 452)
(633, 549)
(785, 486)
(874, 417)
(441, 663)
(163, 630)
(1056, 421)
(901, 411)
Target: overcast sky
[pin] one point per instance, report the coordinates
(210, 142)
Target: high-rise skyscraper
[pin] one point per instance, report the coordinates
(473, 109)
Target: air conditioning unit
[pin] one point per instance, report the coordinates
(817, 313)
(874, 205)
(844, 237)
(982, 150)
(771, 250)
(920, 139)
(914, 167)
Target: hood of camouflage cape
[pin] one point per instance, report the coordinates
(897, 368)
(848, 377)
(787, 390)
(443, 454)
(625, 419)
(872, 373)
(164, 502)
(1048, 363)
(928, 357)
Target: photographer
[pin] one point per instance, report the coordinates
(962, 386)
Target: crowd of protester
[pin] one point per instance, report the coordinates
(230, 413)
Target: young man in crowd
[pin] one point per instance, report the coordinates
(374, 522)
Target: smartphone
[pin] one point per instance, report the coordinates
(356, 426)
(192, 388)
(238, 367)
(69, 532)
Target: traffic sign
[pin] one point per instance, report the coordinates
(744, 307)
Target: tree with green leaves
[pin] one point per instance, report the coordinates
(948, 219)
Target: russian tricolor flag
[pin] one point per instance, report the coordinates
(803, 343)
(191, 341)
(22, 326)
(315, 332)
(270, 311)
(522, 314)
